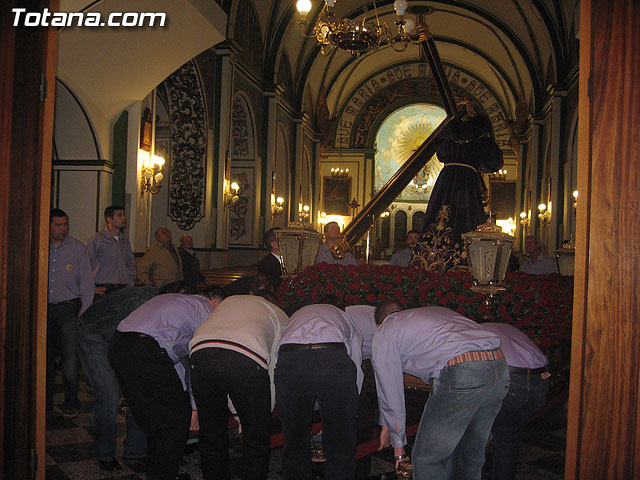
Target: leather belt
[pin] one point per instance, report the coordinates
(479, 355)
(288, 347)
(73, 301)
(135, 334)
(528, 371)
(114, 286)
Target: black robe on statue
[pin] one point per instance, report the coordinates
(468, 152)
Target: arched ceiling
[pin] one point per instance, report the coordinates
(108, 69)
(516, 47)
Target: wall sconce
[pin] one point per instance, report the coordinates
(151, 175)
(303, 213)
(524, 219)
(544, 215)
(575, 199)
(277, 206)
(231, 196)
(384, 214)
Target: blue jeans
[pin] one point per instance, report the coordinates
(93, 342)
(62, 325)
(527, 395)
(458, 416)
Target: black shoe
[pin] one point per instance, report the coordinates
(110, 465)
(137, 465)
(183, 476)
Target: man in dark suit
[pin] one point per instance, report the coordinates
(270, 265)
(190, 264)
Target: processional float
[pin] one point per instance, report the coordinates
(488, 248)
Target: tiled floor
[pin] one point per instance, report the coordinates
(69, 449)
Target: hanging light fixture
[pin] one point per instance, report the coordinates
(355, 36)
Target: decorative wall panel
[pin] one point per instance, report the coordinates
(241, 214)
(188, 146)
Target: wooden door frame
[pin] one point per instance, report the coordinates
(27, 74)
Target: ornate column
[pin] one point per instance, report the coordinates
(270, 160)
(534, 181)
(558, 96)
(224, 147)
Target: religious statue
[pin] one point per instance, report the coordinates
(470, 151)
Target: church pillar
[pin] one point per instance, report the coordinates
(224, 151)
(535, 178)
(521, 202)
(271, 133)
(296, 202)
(558, 96)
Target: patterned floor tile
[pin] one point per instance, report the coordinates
(70, 450)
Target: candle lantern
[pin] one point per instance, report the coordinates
(298, 244)
(488, 251)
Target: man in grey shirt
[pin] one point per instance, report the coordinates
(110, 254)
(332, 233)
(70, 292)
(537, 263)
(403, 257)
(468, 375)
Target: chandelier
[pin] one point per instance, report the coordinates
(355, 36)
(341, 173)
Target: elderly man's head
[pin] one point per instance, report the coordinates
(531, 244)
(413, 237)
(186, 242)
(163, 235)
(332, 231)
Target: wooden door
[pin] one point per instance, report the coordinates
(603, 433)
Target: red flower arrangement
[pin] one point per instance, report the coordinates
(539, 305)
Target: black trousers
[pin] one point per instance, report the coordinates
(154, 394)
(301, 377)
(216, 373)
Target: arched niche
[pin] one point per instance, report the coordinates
(243, 215)
(417, 220)
(399, 230)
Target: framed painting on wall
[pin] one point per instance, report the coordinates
(335, 196)
(503, 199)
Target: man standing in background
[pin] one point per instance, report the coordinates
(537, 262)
(161, 263)
(190, 263)
(270, 266)
(332, 234)
(403, 257)
(70, 292)
(110, 254)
